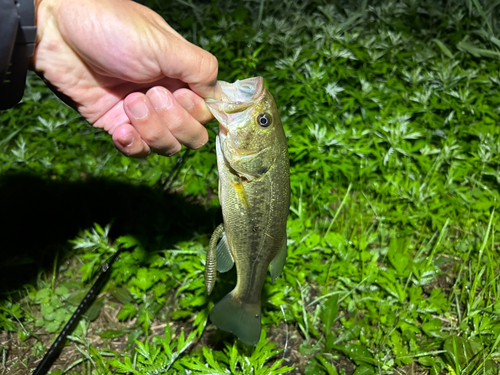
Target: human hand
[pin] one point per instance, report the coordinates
(126, 71)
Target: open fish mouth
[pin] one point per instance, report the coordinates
(237, 99)
(246, 91)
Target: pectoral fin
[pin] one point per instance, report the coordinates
(225, 260)
(278, 263)
(211, 262)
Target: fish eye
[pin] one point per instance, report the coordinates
(264, 120)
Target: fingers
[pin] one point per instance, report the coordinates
(162, 122)
(125, 137)
(194, 105)
(193, 65)
(149, 126)
(128, 141)
(184, 127)
(158, 120)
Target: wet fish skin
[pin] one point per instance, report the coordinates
(254, 191)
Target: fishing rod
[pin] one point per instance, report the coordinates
(44, 366)
(170, 177)
(53, 352)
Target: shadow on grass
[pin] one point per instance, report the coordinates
(39, 216)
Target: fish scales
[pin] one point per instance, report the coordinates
(255, 233)
(254, 191)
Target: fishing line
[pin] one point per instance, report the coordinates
(178, 163)
(44, 366)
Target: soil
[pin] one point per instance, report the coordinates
(20, 360)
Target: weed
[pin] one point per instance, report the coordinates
(391, 114)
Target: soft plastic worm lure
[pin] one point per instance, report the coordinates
(211, 262)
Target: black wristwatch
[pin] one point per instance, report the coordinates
(17, 43)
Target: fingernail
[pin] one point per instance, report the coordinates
(160, 98)
(186, 102)
(138, 108)
(127, 141)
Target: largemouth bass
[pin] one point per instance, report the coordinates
(254, 192)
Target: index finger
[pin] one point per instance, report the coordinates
(191, 64)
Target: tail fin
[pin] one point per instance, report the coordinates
(240, 318)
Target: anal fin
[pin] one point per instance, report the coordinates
(225, 260)
(278, 263)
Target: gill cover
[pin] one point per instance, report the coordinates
(247, 118)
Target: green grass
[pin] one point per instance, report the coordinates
(391, 112)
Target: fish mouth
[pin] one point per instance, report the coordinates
(237, 99)
(242, 92)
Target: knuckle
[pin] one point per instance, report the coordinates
(175, 123)
(152, 137)
(209, 67)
